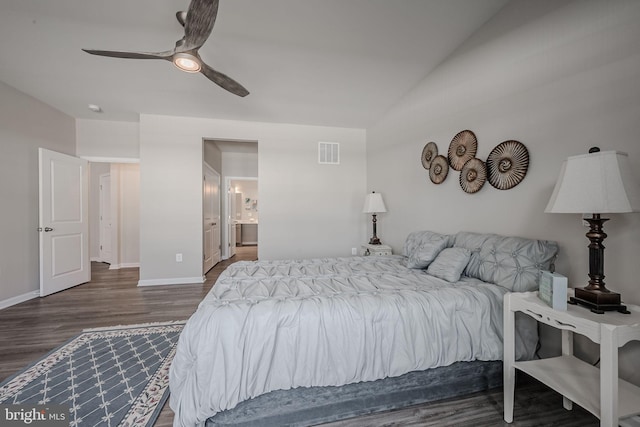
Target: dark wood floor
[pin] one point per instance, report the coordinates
(32, 329)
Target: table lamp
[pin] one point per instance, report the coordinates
(597, 183)
(374, 204)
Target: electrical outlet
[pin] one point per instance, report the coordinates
(178, 257)
(585, 223)
(354, 251)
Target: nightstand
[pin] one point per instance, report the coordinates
(599, 391)
(376, 250)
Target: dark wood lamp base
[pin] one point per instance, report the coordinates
(598, 301)
(595, 295)
(374, 240)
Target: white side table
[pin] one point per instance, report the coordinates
(599, 391)
(376, 250)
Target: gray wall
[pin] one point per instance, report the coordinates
(558, 76)
(25, 125)
(290, 181)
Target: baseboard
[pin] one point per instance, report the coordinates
(20, 298)
(176, 281)
(124, 265)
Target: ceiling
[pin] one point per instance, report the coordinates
(322, 62)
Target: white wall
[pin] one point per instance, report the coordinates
(291, 182)
(213, 156)
(240, 164)
(98, 139)
(25, 125)
(127, 194)
(558, 76)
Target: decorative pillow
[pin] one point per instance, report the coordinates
(449, 264)
(514, 263)
(422, 247)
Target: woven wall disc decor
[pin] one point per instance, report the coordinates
(429, 152)
(439, 169)
(507, 164)
(463, 148)
(473, 175)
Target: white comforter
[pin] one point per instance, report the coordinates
(284, 324)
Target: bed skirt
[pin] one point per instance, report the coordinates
(307, 406)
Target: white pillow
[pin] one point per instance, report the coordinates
(449, 264)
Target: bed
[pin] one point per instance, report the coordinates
(280, 325)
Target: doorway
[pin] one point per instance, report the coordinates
(234, 159)
(243, 212)
(114, 213)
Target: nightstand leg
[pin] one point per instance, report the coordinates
(608, 377)
(509, 374)
(567, 349)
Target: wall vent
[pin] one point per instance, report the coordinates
(328, 153)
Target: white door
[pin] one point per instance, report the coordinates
(64, 221)
(211, 218)
(105, 218)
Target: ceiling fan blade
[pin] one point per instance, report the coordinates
(199, 22)
(224, 81)
(182, 17)
(132, 55)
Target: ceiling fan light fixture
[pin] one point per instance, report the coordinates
(187, 62)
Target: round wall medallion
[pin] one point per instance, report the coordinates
(439, 169)
(429, 152)
(507, 164)
(473, 175)
(463, 148)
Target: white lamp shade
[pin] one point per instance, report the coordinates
(374, 203)
(599, 182)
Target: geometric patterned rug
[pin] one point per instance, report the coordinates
(115, 376)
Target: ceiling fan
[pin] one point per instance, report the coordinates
(197, 22)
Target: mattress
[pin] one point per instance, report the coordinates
(277, 325)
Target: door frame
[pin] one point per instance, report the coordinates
(101, 212)
(206, 168)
